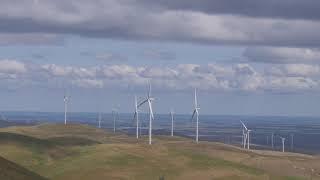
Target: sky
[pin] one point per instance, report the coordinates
(249, 57)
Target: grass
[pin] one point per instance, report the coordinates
(83, 152)
(203, 161)
(293, 178)
(10, 170)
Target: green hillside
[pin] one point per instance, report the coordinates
(12, 171)
(82, 152)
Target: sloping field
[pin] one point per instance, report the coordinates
(83, 152)
(12, 171)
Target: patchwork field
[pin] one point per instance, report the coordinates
(57, 151)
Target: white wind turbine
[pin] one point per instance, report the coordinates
(172, 118)
(115, 117)
(272, 138)
(196, 112)
(248, 132)
(245, 136)
(99, 120)
(136, 116)
(149, 100)
(66, 100)
(292, 136)
(283, 141)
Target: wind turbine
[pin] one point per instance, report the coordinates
(114, 116)
(66, 100)
(292, 135)
(172, 118)
(196, 112)
(99, 120)
(136, 116)
(246, 135)
(248, 138)
(149, 100)
(272, 137)
(283, 141)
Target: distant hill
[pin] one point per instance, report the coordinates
(4, 123)
(12, 171)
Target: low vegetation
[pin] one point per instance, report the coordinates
(83, 152)
(12, 171)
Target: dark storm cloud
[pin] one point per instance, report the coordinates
(205, 22)
(288, 9)
(30, 39)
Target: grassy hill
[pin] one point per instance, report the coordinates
(12, 171)
(81, 152)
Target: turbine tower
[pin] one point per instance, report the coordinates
(272, 137)
(248, 138)
(66, 100)
(283, 141)
(172, 118)
(292, 135)
(149, 100)
(99, 120)
(136, 117)
(242, 138)
(196, 112)
(114, 116)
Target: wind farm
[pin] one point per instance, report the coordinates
(159, 90)
(114, 144)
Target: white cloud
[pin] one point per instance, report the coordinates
(297, 70)
(211, 77)
(289, 84)
(56, 70)
(162, 73)
(118, 71)
(12, 67)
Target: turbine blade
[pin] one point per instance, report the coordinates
(134, 117)
(244, 125)
(194, 112)
(149, 92)
(151, 111)
(141, 103)
(195, 98)
(135, 103)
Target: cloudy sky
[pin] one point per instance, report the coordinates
(245, 57)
